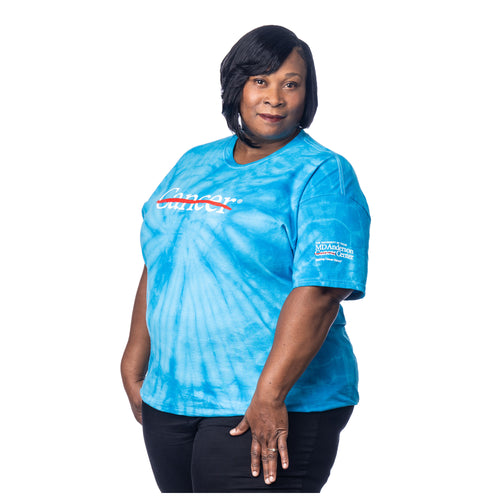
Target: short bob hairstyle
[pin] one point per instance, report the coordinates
(261, 52)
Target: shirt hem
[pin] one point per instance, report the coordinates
(205, 412)
(357, 288)
(191, 411)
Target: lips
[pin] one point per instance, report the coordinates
(271, 118)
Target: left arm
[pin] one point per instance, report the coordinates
(302, 327)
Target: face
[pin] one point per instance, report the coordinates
(272, 105)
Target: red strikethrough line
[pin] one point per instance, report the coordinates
(182, 200)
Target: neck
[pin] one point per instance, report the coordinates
(243, 153)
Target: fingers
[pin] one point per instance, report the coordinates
(269, 441)
(269, 463)
(283, 451)
(241, 428)
(255, 450)
(137, 410)
(267, 455)
(255, 454)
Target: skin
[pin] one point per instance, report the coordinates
(303, 325)
(136, 355)
(279, 94)
(307, 313)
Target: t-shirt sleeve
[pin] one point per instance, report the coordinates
(333, 224)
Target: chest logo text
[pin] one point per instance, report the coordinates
(173, 199)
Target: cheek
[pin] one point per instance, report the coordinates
(248, 99)
(298, 106)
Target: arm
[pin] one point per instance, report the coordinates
(136, 356)
(303, 325)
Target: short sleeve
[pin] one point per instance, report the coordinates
(333, 225)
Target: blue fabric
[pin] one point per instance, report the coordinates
(224, 244)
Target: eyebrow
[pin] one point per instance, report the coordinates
(287, 75)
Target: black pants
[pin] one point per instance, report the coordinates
(197, 454)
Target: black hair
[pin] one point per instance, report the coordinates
(261, 52)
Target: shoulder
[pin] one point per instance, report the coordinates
(324, 159)
(332, 176)
(330, 167)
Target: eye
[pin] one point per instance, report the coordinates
(259, 81)
(291, 85)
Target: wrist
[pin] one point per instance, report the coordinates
(269, 394)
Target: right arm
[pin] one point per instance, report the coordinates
(135, 359)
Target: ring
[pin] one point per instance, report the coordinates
(272, 449)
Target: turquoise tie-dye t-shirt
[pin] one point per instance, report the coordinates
(224, 244)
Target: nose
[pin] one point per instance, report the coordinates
(274, 97)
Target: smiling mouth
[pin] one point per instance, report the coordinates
(271, 118)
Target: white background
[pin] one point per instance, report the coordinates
(100, 98)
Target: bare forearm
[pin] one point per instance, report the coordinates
(134, 363)
(303, 325)
(136, 356)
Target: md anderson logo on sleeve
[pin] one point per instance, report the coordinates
(326, 249)
(174, 199)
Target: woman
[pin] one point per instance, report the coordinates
(238, 364)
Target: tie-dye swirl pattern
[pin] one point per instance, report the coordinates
(224, 245)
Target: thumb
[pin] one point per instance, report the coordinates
(241, 428)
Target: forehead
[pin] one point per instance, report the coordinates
(294, 63)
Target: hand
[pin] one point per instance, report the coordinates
(269, 425)
(134, 397)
